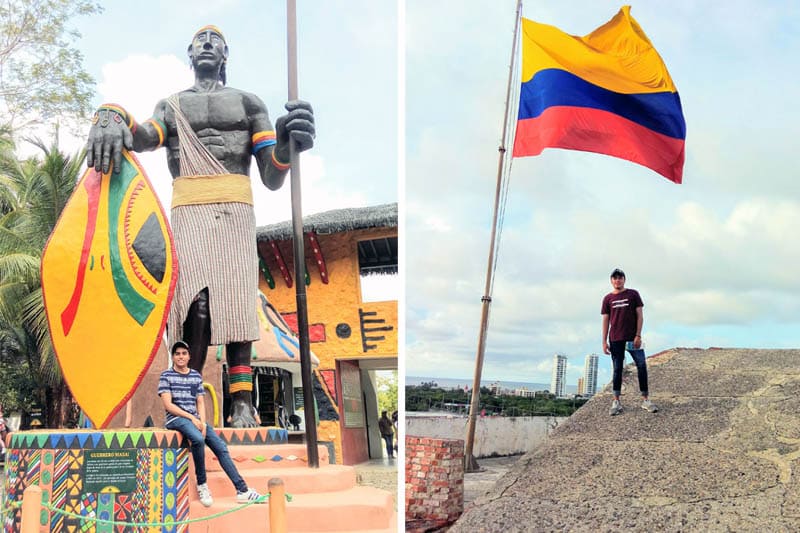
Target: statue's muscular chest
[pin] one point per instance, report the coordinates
(221, 111)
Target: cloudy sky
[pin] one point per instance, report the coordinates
(136, 51)
(714, 259)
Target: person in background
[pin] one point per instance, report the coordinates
(387, 433)
(396, 433)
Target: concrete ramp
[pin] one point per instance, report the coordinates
(722, 454)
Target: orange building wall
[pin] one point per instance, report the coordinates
(337, 302)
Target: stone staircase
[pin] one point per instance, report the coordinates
(323, 499)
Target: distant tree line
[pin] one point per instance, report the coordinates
(430, 397)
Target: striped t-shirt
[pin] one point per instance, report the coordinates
(184, 388)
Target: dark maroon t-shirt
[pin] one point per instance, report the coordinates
(621, 309)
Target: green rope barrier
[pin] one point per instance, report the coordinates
(112, 522)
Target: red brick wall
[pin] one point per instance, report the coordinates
(434, 482)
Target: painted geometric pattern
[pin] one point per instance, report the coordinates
(59, 492)
(46, 479)
(74, 490)
(182, 487)
(13, 489)
(105, 511)
(123, 511)
(156, 487)
(141, 496)
(253, 436)
(169, 489)
(96, 440)
(89, 510)
(161, 493)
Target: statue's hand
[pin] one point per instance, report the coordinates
(297, 124)
(108, 135)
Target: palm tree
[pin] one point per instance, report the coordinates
(32, 194)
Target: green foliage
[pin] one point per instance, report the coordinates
(33, 192)
(387, 393)
(41, 72)
(422, 398)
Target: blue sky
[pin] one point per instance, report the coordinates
(714, 259)
(347, 70)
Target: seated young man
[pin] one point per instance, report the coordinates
(181, 392)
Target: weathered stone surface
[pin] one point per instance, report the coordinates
(722, 454)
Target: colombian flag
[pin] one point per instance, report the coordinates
(608, 92)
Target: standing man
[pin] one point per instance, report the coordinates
(211, 133)
(181, 392)
(387, 433)
(622, 330)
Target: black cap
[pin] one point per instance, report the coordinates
(618, 273)
(179, 344)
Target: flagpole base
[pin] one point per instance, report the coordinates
(471, 464)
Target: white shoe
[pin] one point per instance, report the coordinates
(647, 405)
(205, 494)
(616, 408)
(250, 495)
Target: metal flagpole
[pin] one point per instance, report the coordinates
(299, 252)
(470, 464)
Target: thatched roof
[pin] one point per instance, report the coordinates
(335, 221)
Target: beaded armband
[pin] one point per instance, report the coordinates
(262, 139)
(161, 130)
(117, 113)
(240, 379)
(277, 164)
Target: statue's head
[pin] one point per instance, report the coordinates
(209, 39)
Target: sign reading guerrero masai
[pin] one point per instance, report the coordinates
(109, 471)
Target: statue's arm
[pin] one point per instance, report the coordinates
(152, 133)
(272, 154)
(113, 129)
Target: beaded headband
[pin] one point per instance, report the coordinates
(212, 28)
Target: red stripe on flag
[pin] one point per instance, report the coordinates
(594, 130)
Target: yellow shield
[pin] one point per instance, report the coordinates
(108, 274)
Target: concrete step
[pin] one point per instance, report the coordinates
(328, 478)
(358, 509)
(265, 456)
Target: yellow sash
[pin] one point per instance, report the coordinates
(214, 189)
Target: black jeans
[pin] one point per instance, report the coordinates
(618, 359)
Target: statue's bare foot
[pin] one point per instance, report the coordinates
(242, 414)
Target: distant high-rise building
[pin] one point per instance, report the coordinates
(590, 374)
(558, 382)
(580, 387)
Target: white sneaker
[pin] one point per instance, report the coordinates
(616, 408)
(250, 495)
(647, 405)
(205, 494)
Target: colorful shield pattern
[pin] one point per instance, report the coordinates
(108, 275)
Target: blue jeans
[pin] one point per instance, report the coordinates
(617, 349)
(389, 440)
(185, 427)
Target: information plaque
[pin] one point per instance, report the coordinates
(109, 471)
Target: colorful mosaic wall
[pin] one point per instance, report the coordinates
(157, 491)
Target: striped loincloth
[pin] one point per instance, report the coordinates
(216, 248)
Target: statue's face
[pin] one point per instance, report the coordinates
(208, 47)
